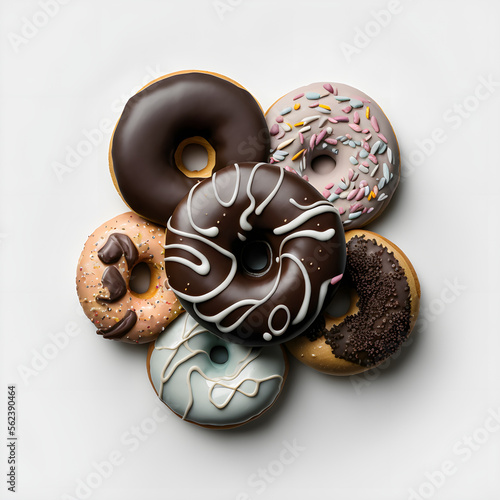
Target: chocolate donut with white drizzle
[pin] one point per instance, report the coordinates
(253, 253)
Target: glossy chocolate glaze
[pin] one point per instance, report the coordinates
(112, 279)
(121, 328)
(116, 246)
(383, 321)
(313, 254)
(157, 119)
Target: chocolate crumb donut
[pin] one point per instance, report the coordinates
(168, 115)
(254, 253)
(384, 301)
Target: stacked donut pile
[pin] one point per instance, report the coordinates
(248, 253)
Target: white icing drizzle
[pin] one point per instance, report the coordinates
(307, 207)
(244, 224)
(218, 318)
(309, 233)
(309, 214)
(282, 330)
(307, 292)
(310, 211)
(232, 381)
(255, 303)
(202, 269)
(236, 188)
(181, 260)
(211, 232)
(268, 200)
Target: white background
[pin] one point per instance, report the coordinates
(373, 436)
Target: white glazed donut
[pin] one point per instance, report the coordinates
(216, 392)
(340, 140)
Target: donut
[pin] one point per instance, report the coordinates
(166, 116)
(339, 139)
(210, 382)
(103, 280)
(384, 297)
(253, 252)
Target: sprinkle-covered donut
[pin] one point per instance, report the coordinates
(340, 140)
(166, 116)
(103, 280)
(384, 295)
(210, 382)
(253, 252)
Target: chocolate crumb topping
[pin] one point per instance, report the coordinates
(317, 329)
(383, 321)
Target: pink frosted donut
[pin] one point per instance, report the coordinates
(338, 139)
(103, 280)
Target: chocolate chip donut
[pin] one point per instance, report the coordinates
(253, 252)
(384, 301)
(166, 116)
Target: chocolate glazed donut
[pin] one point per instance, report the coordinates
(167, 115)
(254, 253)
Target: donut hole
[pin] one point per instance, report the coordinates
(195, 157)
(344, 302)
(256, 257)
(219, 354)
(140, 278)
(323, 164)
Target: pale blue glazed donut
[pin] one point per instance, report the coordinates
(225, 392)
